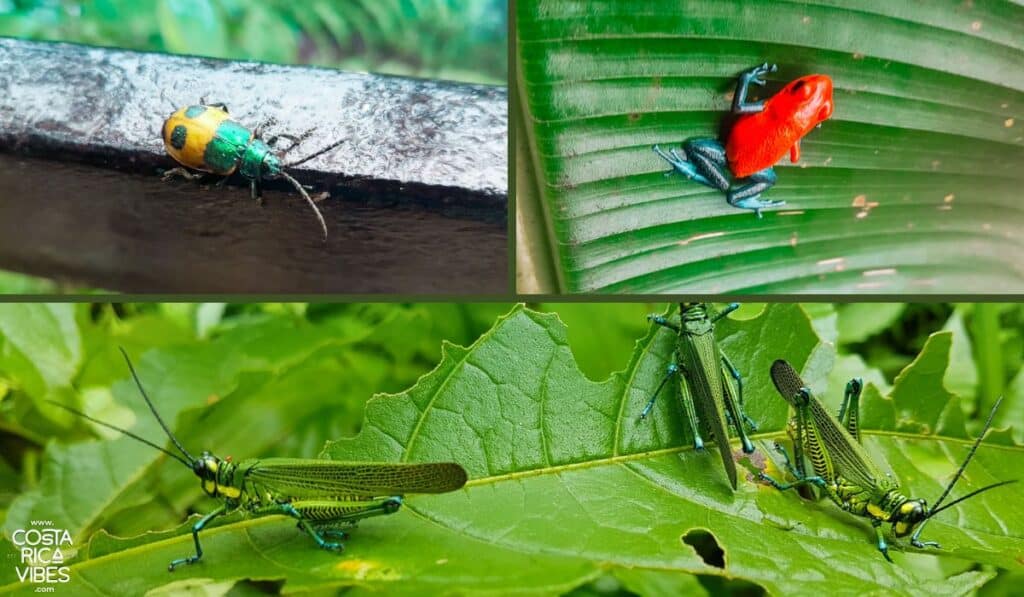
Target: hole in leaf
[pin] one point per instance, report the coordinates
(734, 587)
(704, 543)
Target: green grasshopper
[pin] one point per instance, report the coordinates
(843, 469)
(710, 388)
(317, 493)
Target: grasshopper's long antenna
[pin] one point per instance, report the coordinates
(967, 460)
(152, 408)
(935, 507)
(969, 495)
(305, 195)
(119, 430)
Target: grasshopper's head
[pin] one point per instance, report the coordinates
(687, 308)
(909, 515)
(216, 475)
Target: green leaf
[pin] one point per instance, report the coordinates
(860, 321)
(266, 36)
(567, 485)
(41, 345)
(888, 196)
(192, 27)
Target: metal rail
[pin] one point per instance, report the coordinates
(417, 184)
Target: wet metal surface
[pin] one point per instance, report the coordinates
(418, 182)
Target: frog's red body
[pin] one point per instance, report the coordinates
(764, 132)
(759, 141)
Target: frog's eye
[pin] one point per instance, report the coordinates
(801, 88)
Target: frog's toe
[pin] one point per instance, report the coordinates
(756, 204)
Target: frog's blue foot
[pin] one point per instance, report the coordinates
(755, 203)
(747, 193)
(677, 161)
(682, 165)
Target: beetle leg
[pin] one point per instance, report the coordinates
(221, 105)
(183, 173)
(272, 141)
(262, 127)
(255, 191)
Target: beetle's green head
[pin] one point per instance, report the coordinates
(259, 161)
(271, 167)
(909, 515)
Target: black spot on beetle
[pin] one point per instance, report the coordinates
(178, 136)
(194, 111)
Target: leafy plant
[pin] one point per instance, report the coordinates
(919, 166)
(464, 40)
(568, 487)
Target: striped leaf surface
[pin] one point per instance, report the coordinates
(912, 186)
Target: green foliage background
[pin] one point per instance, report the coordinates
(463, 40)
(294, 380)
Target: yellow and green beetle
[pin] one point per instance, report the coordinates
(205, 138)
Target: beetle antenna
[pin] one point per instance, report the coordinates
(309, 200)
(119, 430)
(152, 408)
(315, 154)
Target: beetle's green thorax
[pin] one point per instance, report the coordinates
(259, 161)
(217, 475)
(228, 145)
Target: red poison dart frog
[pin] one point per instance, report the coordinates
(764, 132)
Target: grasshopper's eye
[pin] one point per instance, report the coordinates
(910, 514)
(205, 467)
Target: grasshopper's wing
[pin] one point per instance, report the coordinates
(309, 478)
(707, 390)
(844, 455)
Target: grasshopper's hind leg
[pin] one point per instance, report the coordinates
(735, 374)
(312, 515)
(290, 510)
(686, 397)
(849, 412)
(734, 411)
(800, 481)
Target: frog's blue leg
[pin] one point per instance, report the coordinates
(682, 166)
(708, 155)
(740, 105)
(746, 194)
